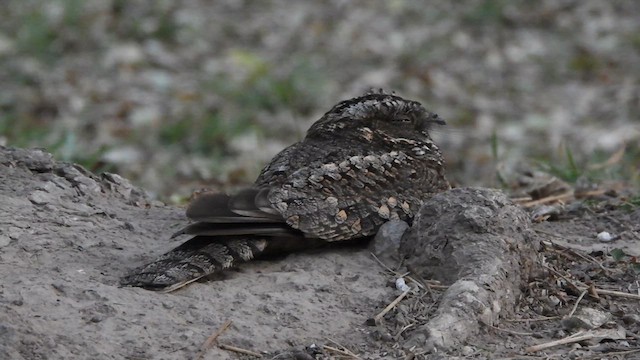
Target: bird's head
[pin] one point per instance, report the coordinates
(376, 113)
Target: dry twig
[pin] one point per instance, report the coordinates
(384, 265)
(616, 293)
(239, 350)
(546, 318)
(510, 331)
(575, 306)
(577, 337)
(341, 349)
(572, 251)
(594, 291)
(390, 306)
(548, 199)
(212, 338)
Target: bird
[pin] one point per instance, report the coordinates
(368, 160)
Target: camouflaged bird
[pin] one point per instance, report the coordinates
(366, 161)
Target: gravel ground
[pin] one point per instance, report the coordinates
(177, 94)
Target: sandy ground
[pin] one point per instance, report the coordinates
(60, 296)
(67, 236)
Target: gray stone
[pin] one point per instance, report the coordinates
(479, 242)
(386, 243)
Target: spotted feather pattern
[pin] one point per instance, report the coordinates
(368, 160)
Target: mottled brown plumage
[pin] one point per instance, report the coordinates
(367, 160)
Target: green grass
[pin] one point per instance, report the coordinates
(597, 167)
(36, 35)
(566, 169)
(585, 63)
(620, 256)
(486, 12)
(264, 88)
(202, 134)
(496, 160)
(22, 132)
(631, 204)
(25, 132)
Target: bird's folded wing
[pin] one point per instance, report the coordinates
(214, 229)
(247, 212)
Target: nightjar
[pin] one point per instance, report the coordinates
(367, 160)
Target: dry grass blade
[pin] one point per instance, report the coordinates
(347, 354)
(593, 291)
(549, 199)
(212, 338)
(577, 337)
(510, 331)
(570, 282)
(390, 306)
(383, 264)
(547, 318)
(341, 350)
(239, 350)
(601, 334)
(572, 251)
(617, 293)
(575, 307)
(612, 160)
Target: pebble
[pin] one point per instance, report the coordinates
(605, 236)
(39, 197)
(586, 318)
(4, 240)
(468, 350)
(386, 243)
(402, 285)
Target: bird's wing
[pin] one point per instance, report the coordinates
(245, 213)
(351, 198)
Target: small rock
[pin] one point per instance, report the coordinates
(186, 335)
(4, 240)
(586, 318)
(468, 350)
(40, 197)
(167, 305)
(545, 212)
(386, 243)
(79, 177)
(401, 285)
(631, 318)
(14, 233)
(605, 236)
(17, 302)
(553, 301)
(36, 160)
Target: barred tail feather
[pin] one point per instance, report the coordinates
(194, 259)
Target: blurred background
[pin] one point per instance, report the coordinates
(178, 95)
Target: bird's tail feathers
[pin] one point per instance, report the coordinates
(194, 259)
